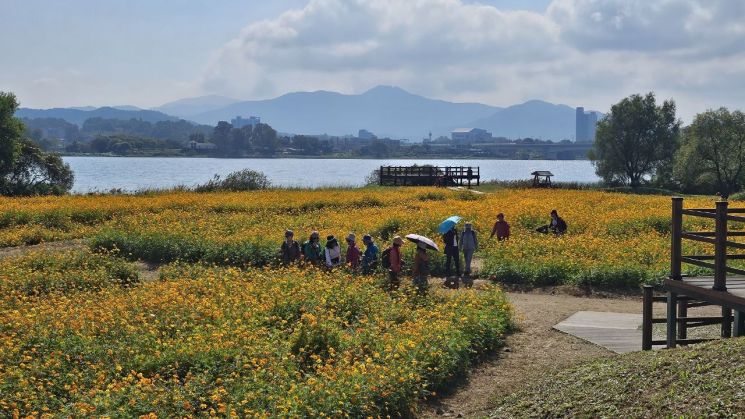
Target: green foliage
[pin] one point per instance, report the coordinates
(699, 381)
(712, 156)
(243, 180)
(24, 168)
(636, 140)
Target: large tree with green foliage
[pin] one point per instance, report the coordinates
(712, 155)
(636, 140)
(24, 168)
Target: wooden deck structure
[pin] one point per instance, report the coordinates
(542, 178)
(684, 292)
(429, 176)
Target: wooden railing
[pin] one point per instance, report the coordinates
(429, 175)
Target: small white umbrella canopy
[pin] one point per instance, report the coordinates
(424, 240)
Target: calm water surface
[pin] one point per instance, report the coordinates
(133, 173)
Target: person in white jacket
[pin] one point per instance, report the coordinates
(333, 252)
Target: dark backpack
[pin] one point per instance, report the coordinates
(385, 258)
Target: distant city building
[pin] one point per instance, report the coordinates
(239, 122)
(470, 134)
(202, 146)
(366, 135)
(586, 124)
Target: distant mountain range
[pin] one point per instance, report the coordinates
(79, 115)
(384, 110)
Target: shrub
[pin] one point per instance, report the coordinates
(243, 180)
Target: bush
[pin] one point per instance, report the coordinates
(243, 180)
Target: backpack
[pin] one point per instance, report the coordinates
(385, 258)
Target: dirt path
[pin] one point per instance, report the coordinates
(147, 271)
(60, 246)
(533, 351)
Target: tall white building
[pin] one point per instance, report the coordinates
(585, 126)
(239, 122)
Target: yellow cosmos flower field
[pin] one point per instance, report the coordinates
(225, 330)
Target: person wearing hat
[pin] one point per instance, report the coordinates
(312, 250)
(395, 262)
(469, 244)
(332, 252)
(370, 257)
(558, 225)
(353, 252)
(290, 249)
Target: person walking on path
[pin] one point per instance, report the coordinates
(450, 238)
(395, 263)
(421, 268)
(501, 228)
(469, 244)
(290, 249)
(353, 252)
(312, 250)
(370, 257)
(332, 252)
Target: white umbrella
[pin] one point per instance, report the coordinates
(424, 240)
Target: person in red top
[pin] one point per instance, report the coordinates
(394, 257)
(501, 228)
(353, 252)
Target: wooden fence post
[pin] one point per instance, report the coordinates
(672, 302)
(726, 322)
(647, 318)
(720, 248)
(739, 324)
(676, 231)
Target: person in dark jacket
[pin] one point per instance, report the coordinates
(290, 249)
(557, 225)
(451, 251)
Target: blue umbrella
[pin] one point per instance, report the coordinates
(449, 223)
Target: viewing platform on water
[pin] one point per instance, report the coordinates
(429, 176)
(684, 292)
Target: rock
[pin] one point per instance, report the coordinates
(439, 411)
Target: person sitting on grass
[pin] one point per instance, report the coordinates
(557, 226)
(370, 257)
(290, 249)
(332, 252)
(312, 250)
(353, 252)
(501, 228)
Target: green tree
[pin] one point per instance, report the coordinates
(637, 139)
(24, 168)
(712, 155)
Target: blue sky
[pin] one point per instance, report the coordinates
(579, 52)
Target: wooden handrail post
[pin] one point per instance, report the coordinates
(380, 176)
(726, 322)
(676, 232)
(720, 248)
(672, 321)
(682, 325)
(647, 318)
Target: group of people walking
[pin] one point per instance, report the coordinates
(329, 255)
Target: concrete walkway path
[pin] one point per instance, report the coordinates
(617, 332)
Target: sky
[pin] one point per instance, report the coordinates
(589, 53)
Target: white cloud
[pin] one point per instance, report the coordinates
(580, 52)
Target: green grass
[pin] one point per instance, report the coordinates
(699, 381)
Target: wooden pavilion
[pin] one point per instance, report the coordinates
(542, 179)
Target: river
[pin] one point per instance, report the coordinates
(135, 173)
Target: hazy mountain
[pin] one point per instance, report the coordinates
(78, 116)
(535, 119)
(186, 108)
(384, 110)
